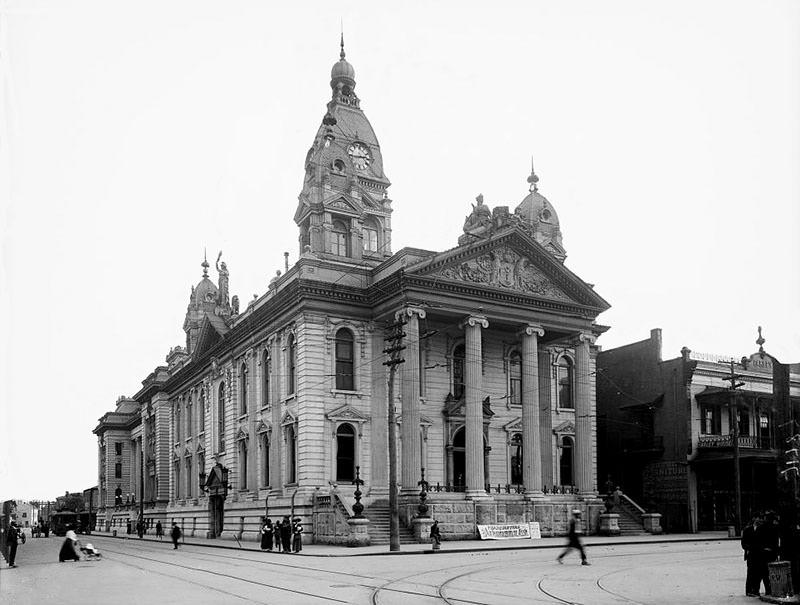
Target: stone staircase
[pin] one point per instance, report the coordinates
(630, 523)
(378, 515)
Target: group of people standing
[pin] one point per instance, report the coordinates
(760, 541)
(286, 535)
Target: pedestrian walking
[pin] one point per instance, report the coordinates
(13, 540)
(266, 535)
(70, 548)
(297, 535)
(436, 536)
(767, 540)
(573, 539)
(176, 535)
(159, 531)
(286, 534)
(276, 534)
(753, 556)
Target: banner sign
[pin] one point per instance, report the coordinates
(511, 531)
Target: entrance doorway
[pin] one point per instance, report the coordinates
(216, 514)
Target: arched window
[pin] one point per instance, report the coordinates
(242, 463)
(459, 465)
(344, 360)
(291, 363)
(264, 459)
(515, 378)
(221, 417)
(459, 357)
(565, 464)
(201, 412)
(177, 422)
(243, 388)
(266, 370)
(189, 414)
(516, 459)
(291, 455)
(177, 479)
(339, 237)
(201, 466)
(566, 383)
(370, 235)
(189, 483)
(345, 453)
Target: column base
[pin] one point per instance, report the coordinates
(358, 532)
(421, 528)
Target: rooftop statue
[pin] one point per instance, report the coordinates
(222, 269)
(481, 215)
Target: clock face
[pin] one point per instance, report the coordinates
(359, 154)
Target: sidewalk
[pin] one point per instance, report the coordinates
(460, 546)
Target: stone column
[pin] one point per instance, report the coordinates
(584, 444)
(531, 448)
(546, 417)
(276, 437)
(411, 455)
(163, 412)
(378, 481)
(473, 377)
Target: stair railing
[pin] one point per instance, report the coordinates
(637, 511)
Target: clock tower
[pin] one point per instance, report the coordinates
(343, 211)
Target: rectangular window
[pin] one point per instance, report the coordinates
(710, 420)
(118, 470)
(118, 448)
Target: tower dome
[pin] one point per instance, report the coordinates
(540, 218)
(342, 73)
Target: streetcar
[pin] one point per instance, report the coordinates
(63, 521)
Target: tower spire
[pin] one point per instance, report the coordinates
(341, 44)
(205, 264)
(533, 179)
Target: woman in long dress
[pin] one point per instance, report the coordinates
(70, 549)
(266, 535)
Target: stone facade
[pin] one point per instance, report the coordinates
(274, 408)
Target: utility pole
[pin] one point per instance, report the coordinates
(734, 416)
(395, 340)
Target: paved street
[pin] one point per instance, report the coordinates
(134, 571)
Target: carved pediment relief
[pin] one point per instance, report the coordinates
(341, 204)
(288, 418)
(346, 413)
(504, 268)
(457, 407)
(565, 428)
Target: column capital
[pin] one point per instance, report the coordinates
(473, 320)
(531, 329)
(587, 338)
(410, 311)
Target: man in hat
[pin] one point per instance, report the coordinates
(13, 537)
(573, 539)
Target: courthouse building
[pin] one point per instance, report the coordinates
(275, 408)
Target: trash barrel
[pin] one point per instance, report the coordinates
(780, 579)
(731, 531)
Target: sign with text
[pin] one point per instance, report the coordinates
(510, 531)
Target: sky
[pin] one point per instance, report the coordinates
(136, 136)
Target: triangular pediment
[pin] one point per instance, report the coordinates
(288, 418)
(515, 426)
(346, 413)
(513, 262)
(212, 330)
(342, 204)
(242, 434)
(201, 448)
(263, 427)
(565, 428)
(458, 407)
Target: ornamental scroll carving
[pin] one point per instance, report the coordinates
(506, 269)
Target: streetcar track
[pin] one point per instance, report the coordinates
(223, 575)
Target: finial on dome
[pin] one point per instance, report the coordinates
(760, 342)
(205, 264)
(533, 179)
(341, 44)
